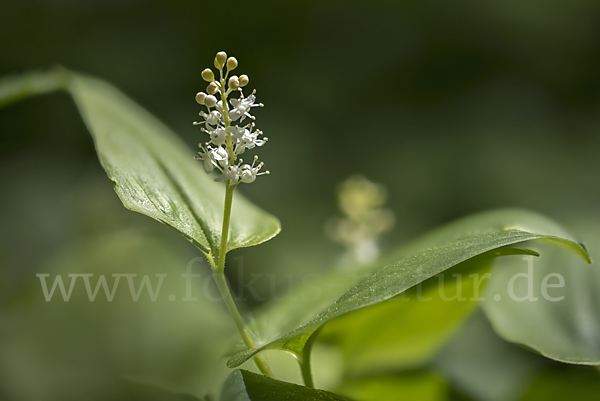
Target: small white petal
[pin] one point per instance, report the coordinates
(218, 136)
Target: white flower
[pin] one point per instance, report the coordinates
(231, 174)
(250, 139)
(241, 108)
(227, 140)
(212, 118)
(236, 132)
(220, 155)
(218, 136)
(207, 159)
(211, 156)
(249, 172)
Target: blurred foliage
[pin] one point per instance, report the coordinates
(423, 386)
(453, 107)
(483, 366)
(71, 349)
(561, 320)
(565, 382)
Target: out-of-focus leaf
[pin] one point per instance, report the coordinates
(418, 385)
(424, 258)
(565, 329)
(16, 87)
(485, 367)
(76, 349)
(247, 386)
(153, 170)
(561, 383)
(141, 391)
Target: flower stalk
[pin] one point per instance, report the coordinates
(226, 143)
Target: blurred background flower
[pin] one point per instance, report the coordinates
(364, 221)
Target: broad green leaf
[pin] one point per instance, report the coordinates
(418, 385)
(565, 329)
(247, 386)
(424, 258)
(485, 367)
(152, 169)
(406, 331)
(560, 383)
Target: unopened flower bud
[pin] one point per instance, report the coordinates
(220, 60)
(200, 96)
(210, 101)
(244, 80)
(208, 75)
(231, 63)
(212, 88)
(234, 83)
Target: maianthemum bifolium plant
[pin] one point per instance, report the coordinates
(376, 317)
(229, 139)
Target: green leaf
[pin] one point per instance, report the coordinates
(418, 385)
(566, 330)
(242, 385)
(485, 367)
(152, 169)
(407, 331)
(424, 258)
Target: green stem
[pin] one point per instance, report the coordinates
(219, 268)
(306, 372)
(304, 361)
(239, 322)
(224, 287)
(225, 229)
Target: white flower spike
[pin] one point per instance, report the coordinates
(228, 137)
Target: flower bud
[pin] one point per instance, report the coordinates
(244, 80)
(210, 101)
(231, 63)
(200, 96)
(234, 83)
(208, 75)
(220, 60)
(212, 88)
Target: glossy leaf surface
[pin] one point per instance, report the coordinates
(247, 386)
(152, 169)
(406, 331)
(432, 254)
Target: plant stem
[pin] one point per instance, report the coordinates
(219, 268)
(306, 373)
(304, 360)
(239, 322)
(225, 229)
